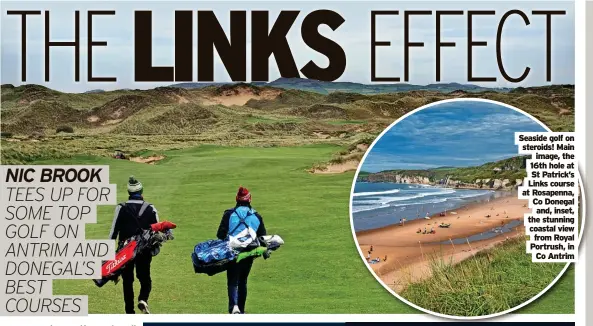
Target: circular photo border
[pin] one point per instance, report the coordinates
(582, 226)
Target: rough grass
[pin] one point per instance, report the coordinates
(345, 122)
(494, 280)
(41, 115)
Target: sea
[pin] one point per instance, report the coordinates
(376, 205)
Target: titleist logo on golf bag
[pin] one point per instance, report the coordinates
(115, 263)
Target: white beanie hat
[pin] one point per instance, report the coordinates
(134, 186)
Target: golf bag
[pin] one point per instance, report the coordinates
(213, 256)
(147, 241)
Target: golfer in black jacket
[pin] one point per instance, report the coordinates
(129, 219)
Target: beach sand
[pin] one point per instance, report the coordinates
(409, 253)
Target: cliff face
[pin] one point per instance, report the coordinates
(491, 184)
(396, 177)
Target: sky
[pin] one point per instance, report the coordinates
(523, 45)
(464, 133)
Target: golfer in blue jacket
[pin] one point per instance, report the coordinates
(234, 221)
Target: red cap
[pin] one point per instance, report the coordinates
(243, 195)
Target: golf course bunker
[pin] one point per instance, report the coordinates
(437, 215)
(147, 160)
(336, 168)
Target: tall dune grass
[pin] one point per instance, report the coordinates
(492, 281)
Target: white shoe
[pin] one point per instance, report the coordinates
(236, 310)
(143, 306)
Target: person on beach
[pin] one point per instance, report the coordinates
(235, 221)
(129, 219)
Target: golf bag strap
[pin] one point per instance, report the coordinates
(143, 208)
(241, 220)
(140, 212)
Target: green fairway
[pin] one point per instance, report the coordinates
(318, 270)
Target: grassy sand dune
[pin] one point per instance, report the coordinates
(492, 281)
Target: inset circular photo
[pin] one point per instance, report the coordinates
(436, 215)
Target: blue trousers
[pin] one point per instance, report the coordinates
(236, 276)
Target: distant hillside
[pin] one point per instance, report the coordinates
(199, 85)
(322, 87)
(349, 87)
(501, 174)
